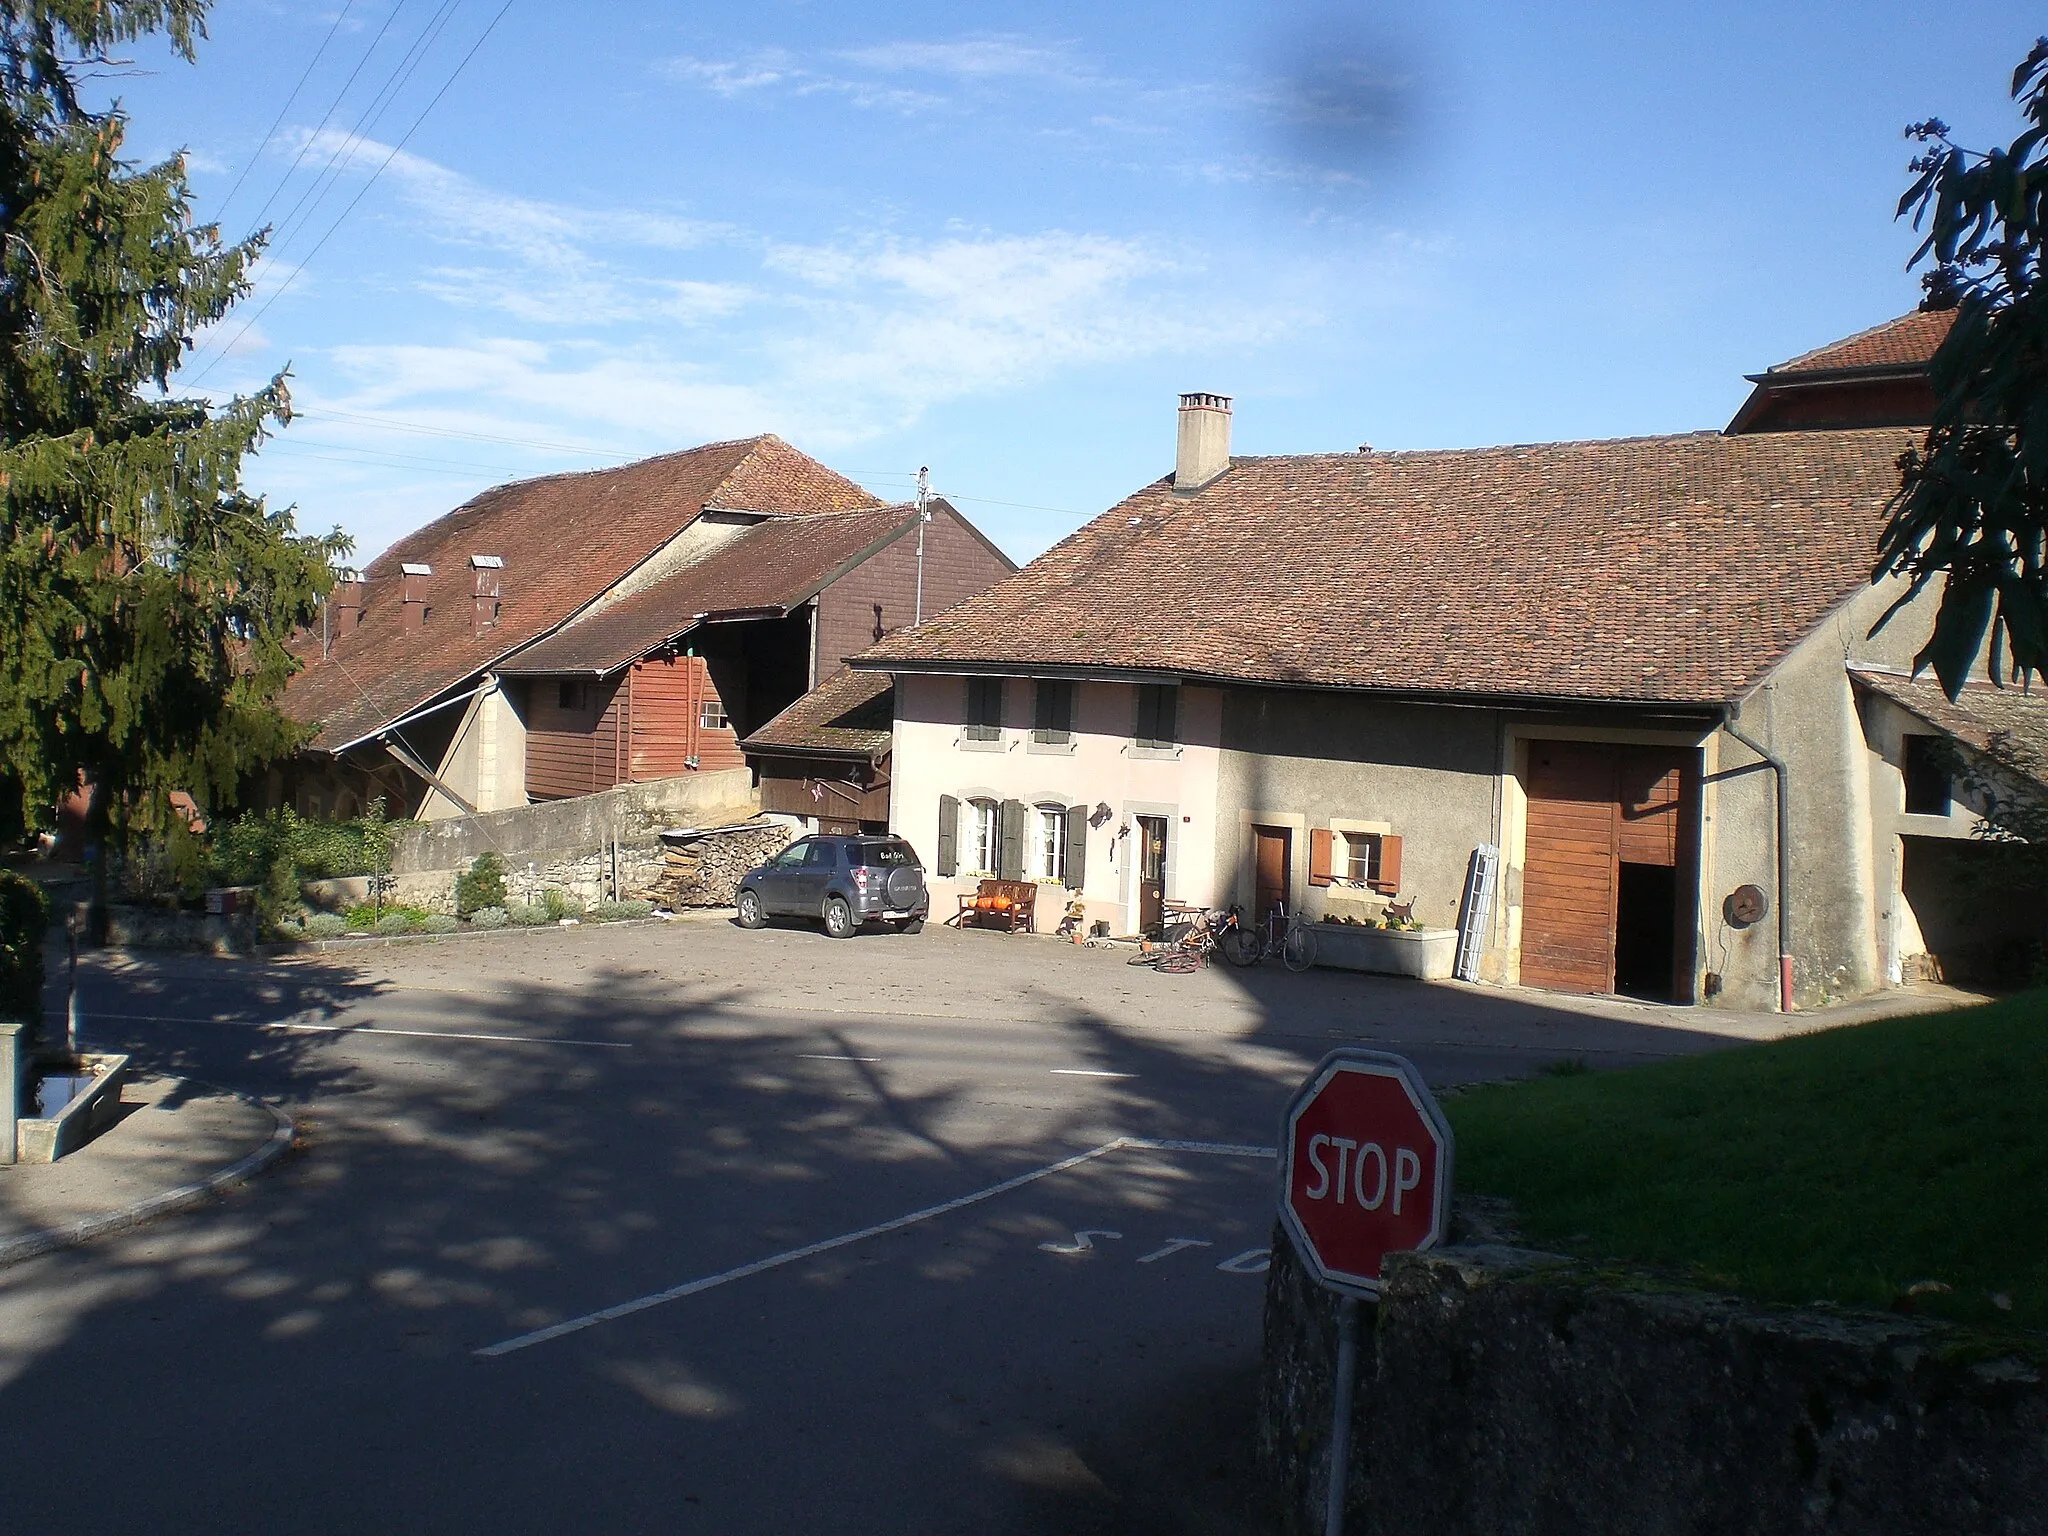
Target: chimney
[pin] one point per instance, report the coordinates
(1203, 450)
(415, 594)
(489, 572)
(344, 608)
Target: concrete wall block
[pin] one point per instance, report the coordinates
(629, 812)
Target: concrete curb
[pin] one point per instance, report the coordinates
(30, 1245)
(509, 931)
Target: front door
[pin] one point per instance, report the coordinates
(1272, 865)
(1151, 872)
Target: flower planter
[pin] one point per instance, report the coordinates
(1427, 953)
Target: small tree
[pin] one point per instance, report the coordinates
(1972, 504)
(146, 601)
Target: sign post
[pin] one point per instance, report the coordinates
(1365, 1171)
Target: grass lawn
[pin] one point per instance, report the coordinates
(1845, 1166)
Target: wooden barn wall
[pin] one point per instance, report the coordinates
(668, 697)
(574, 751)
(639, 726)
(956, 566)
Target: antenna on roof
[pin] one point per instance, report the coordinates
(924, 515)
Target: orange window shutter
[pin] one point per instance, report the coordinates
(1389, 882)
(1319, 844)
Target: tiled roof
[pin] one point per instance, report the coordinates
(772, 566)
(1982, 713)
(846, 715)
(1907, 342)
(564, 540)
(1657, 569)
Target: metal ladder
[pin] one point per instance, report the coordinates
(1475, 911)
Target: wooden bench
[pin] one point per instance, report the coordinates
(1006, 904)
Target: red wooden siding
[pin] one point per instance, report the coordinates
(956, 566)
(638, 726)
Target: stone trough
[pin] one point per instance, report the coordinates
(66, 1102)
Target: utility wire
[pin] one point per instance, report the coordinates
(279, 292)
(278, 121)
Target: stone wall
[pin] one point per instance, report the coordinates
(1509, 1393)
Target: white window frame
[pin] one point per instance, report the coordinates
(1052, 842)
(984, 837)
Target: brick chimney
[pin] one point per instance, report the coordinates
(1203, 450)
(489, 573)
(414, 594)
(344, 608)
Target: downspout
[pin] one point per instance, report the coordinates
(1777, 766)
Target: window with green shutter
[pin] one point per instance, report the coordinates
(1052, 711)
(1158, 715)
(984, 708)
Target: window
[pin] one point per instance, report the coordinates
(568, 695)
(1927, 776)
(984, 708)
(1158, 714)
(1361, 857)
(1052, 711)
(792, 856)
(984, 836)
(820, 855)
(711, 716)
(1052, 842)
(894, 854)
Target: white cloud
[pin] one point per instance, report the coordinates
(733, 77)
(974, 58)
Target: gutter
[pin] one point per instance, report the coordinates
(1777, 766)
(407, 719)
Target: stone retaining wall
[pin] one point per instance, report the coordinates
(1506, 1393)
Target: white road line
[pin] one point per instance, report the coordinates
(98, 1016)
(1086, 1072)
(812, 1250)
(804, 1057)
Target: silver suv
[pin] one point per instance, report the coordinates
(844, 881)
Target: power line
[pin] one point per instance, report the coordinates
(278, 121)
(279, 292)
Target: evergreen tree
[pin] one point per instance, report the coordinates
(146, 601)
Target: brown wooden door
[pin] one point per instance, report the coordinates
(1570, 868)
(1151, 872)
(1272, 855)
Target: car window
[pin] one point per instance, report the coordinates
(793, 855)
(819, 856)
(894, 854)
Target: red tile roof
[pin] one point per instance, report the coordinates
(1907, 342)
(564, 540)
(847, 715)
(773, 566)
(1658, 569)
(1982, 715)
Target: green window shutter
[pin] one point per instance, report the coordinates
(1014, 816)
(949, 835)
(1077, 847)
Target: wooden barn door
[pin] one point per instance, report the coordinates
(1570, 870)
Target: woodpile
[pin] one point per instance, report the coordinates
(703, 869)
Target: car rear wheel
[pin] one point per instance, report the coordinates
(751, 915)
(839, 921)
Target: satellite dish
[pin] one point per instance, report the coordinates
(1745, 905)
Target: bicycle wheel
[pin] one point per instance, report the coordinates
(1181, 963)
(1147, 957)
(1240, 946)
(1298, 949)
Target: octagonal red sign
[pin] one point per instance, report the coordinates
(1366, 1168)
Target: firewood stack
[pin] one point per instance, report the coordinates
(703, 869)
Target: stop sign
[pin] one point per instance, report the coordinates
(1367, 1168)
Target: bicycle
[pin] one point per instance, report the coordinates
(1184, 945)
(1292, 938)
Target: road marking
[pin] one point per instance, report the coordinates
(803, 1056)
(1083, 1241)
(812, 1250)
(1086, 1072)
(1253, 1261)
(1174, 1245)
(99, 1016)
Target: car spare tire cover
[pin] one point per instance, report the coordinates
(905, 886)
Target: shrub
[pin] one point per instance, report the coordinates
(618, 911)
(487, 917)
(527, 914)
(394, 922)
(440, 922)
(24, 917)
(483, 885)
(366, 916)
(558, 905)
(325, 925)
(288, 928)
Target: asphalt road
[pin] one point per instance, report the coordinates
(681, 1228)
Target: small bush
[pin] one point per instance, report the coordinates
(483, 885)
(366, 917)
(487, 917)
(440, 922)
(528, 914)
(325, 925)
(558, 905)
(24, 916)
(619, 911)
(393, 923)
(288, 928)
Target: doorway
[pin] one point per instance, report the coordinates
(1272, 869)
(1151, 873)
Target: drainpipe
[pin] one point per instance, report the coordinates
(1777, 766)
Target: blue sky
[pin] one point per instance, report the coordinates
(998, 241)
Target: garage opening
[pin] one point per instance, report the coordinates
(1645, 921)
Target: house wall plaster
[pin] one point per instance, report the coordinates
(485, 761)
